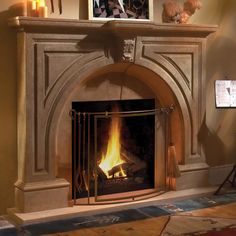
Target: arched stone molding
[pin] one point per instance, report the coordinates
(168, 59)
(60, 115)
(179, 103)
(81, 71)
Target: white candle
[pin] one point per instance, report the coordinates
(33, 9)
(29, 8)
(43, 11)
(34, 4)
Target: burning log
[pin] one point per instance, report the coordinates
(101, 174)
(136, 164)
(118, 168)
(132, 167)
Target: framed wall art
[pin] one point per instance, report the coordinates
(141, 10)
(225, 92)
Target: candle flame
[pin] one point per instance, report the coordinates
(41, 3)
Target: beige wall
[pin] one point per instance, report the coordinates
(8, 160)
(218, 134)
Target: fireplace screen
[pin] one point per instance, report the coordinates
(113, 149)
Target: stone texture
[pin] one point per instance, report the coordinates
(92, 70)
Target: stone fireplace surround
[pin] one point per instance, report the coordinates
(60, 61)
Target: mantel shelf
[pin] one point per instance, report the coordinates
(33, 24)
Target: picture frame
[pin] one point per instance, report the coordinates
(105, 10)
(225, 93)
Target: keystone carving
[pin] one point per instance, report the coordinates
(128, 50)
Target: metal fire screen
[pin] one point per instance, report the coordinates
(86, 172)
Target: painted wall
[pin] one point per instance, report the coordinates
(8, 80)
(218, 134)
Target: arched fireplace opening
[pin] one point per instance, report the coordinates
(135, 88)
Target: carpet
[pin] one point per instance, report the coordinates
(197, 203)
(207, 216)
(190, 225)
(223, 211)
(222, 232)
(164, 226)
(148, 227)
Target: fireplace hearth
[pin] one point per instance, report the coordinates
(62, 61)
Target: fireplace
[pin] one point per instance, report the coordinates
(113, 149)
(64, 64)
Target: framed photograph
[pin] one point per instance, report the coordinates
(141, 10)
(225, 92)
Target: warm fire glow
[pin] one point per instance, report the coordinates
(113, 157)
(41, 3)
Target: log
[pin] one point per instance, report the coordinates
(130, 157)
(101, 174)
(115, 169)
(136, 163)
(139, 180)
(137, 167)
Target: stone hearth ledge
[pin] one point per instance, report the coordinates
(86, 210)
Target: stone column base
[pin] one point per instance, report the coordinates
(193, 176)
(40, 196)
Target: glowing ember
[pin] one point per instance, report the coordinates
(113, 157)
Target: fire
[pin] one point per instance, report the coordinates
(41, 3)
(113, 152)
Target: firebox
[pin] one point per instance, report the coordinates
(113, 145)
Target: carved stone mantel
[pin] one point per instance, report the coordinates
(55, 56)
(133, 27)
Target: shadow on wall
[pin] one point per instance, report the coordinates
(212, 145)
(8, 83)
(220, 137)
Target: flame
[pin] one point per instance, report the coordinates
(113, 156)
(41, 3)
